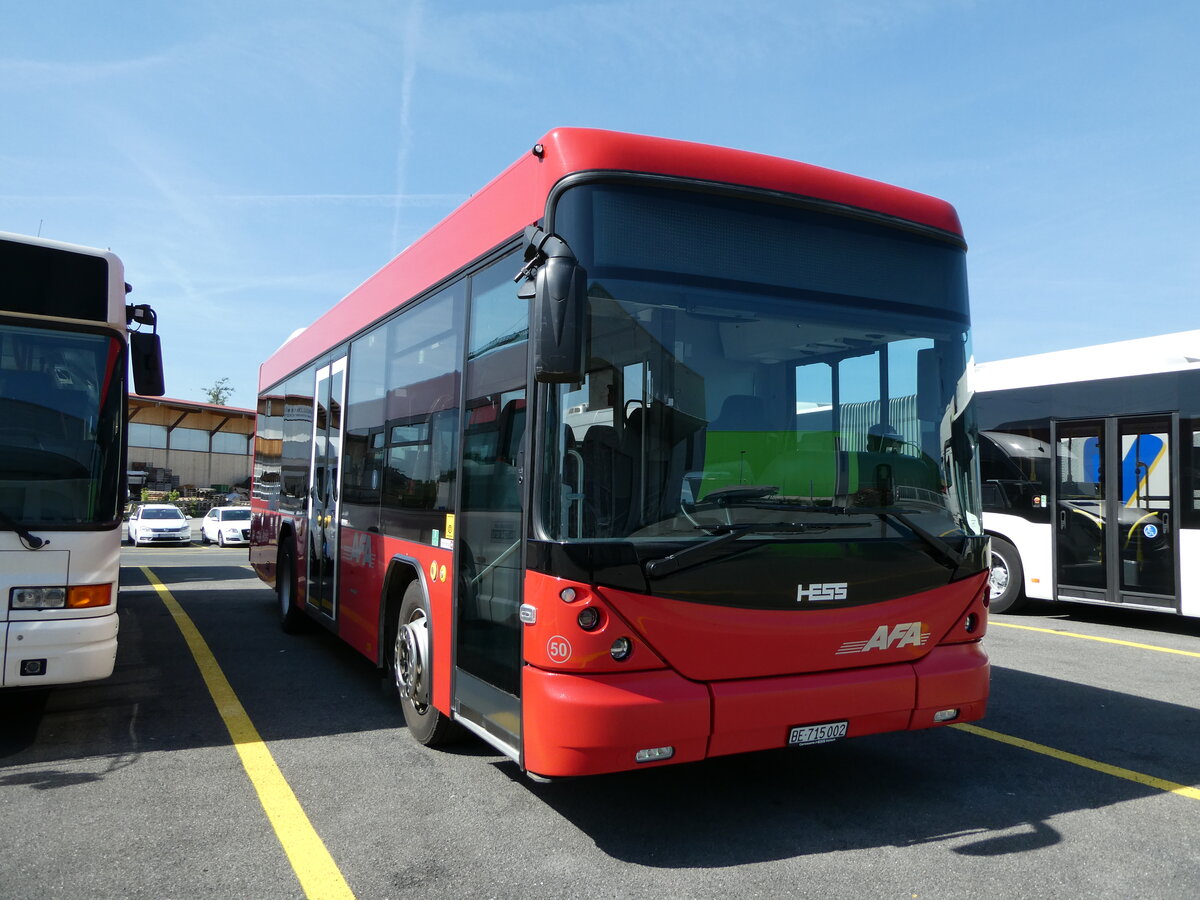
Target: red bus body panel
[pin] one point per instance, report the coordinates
(759, 672)
(714, 643)
(583, 725)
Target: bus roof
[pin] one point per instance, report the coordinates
(517, 197)
(1175, 352)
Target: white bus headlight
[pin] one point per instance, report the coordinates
(38, 598)
(80, 596)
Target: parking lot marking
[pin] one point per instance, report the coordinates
(1116, 771)
(318, 873)
(1092, 637)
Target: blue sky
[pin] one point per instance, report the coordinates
(252, 162)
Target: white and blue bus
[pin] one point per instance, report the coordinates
(65, 350)
(1090, 465)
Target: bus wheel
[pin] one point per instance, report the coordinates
(1007, 578)
(411, 671)
(291, 619)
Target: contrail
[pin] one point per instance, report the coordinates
(412, 31)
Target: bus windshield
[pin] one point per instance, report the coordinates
(61, 415)
(761, 369)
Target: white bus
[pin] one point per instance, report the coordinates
(65, 350)
(1090, 462)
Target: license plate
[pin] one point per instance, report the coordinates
(804, 735)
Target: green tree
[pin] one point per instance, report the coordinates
(220, 392)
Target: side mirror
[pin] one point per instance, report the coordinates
(559, 310)
(145, 357)
(557, 285)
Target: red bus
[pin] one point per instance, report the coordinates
(650, 452)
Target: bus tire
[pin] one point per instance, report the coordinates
(411, 672)
(1006, 579)
(291, 619)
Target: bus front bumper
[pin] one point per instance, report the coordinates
(58, 651)
(583, 725)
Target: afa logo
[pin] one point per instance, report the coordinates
(890, 637)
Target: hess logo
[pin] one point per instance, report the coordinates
(890, 637)
(819, 593)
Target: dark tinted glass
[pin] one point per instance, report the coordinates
(61, 413)
(42, 280)
(412, 435)
(692, 237)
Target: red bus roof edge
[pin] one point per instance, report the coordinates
(517, 197)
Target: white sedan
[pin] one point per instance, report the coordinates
(159, 523)
(225, 525)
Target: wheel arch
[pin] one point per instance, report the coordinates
(285, 537)
(401, 572)
(1008, 601)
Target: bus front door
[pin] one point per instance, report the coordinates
(1115, 482)
(324, 493)
(489, 529)
(490, 569)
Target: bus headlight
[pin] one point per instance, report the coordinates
(37, 598)
(81, 596)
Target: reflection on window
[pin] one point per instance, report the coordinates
(781, 402)
(419, 438)
(61, 416)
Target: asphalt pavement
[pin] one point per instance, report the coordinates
(132, 787)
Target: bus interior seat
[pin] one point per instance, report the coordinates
(740, 412)
(658, 441)
(601, 465)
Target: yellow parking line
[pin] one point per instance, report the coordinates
(1092, 637)
(1116, 771)
(318, 873)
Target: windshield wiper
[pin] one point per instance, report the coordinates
(949, 555)
(727, 534)
(938, 548)
(30, 540)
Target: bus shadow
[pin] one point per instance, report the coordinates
(175, 577)
(1113, 616)
(977, 796)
